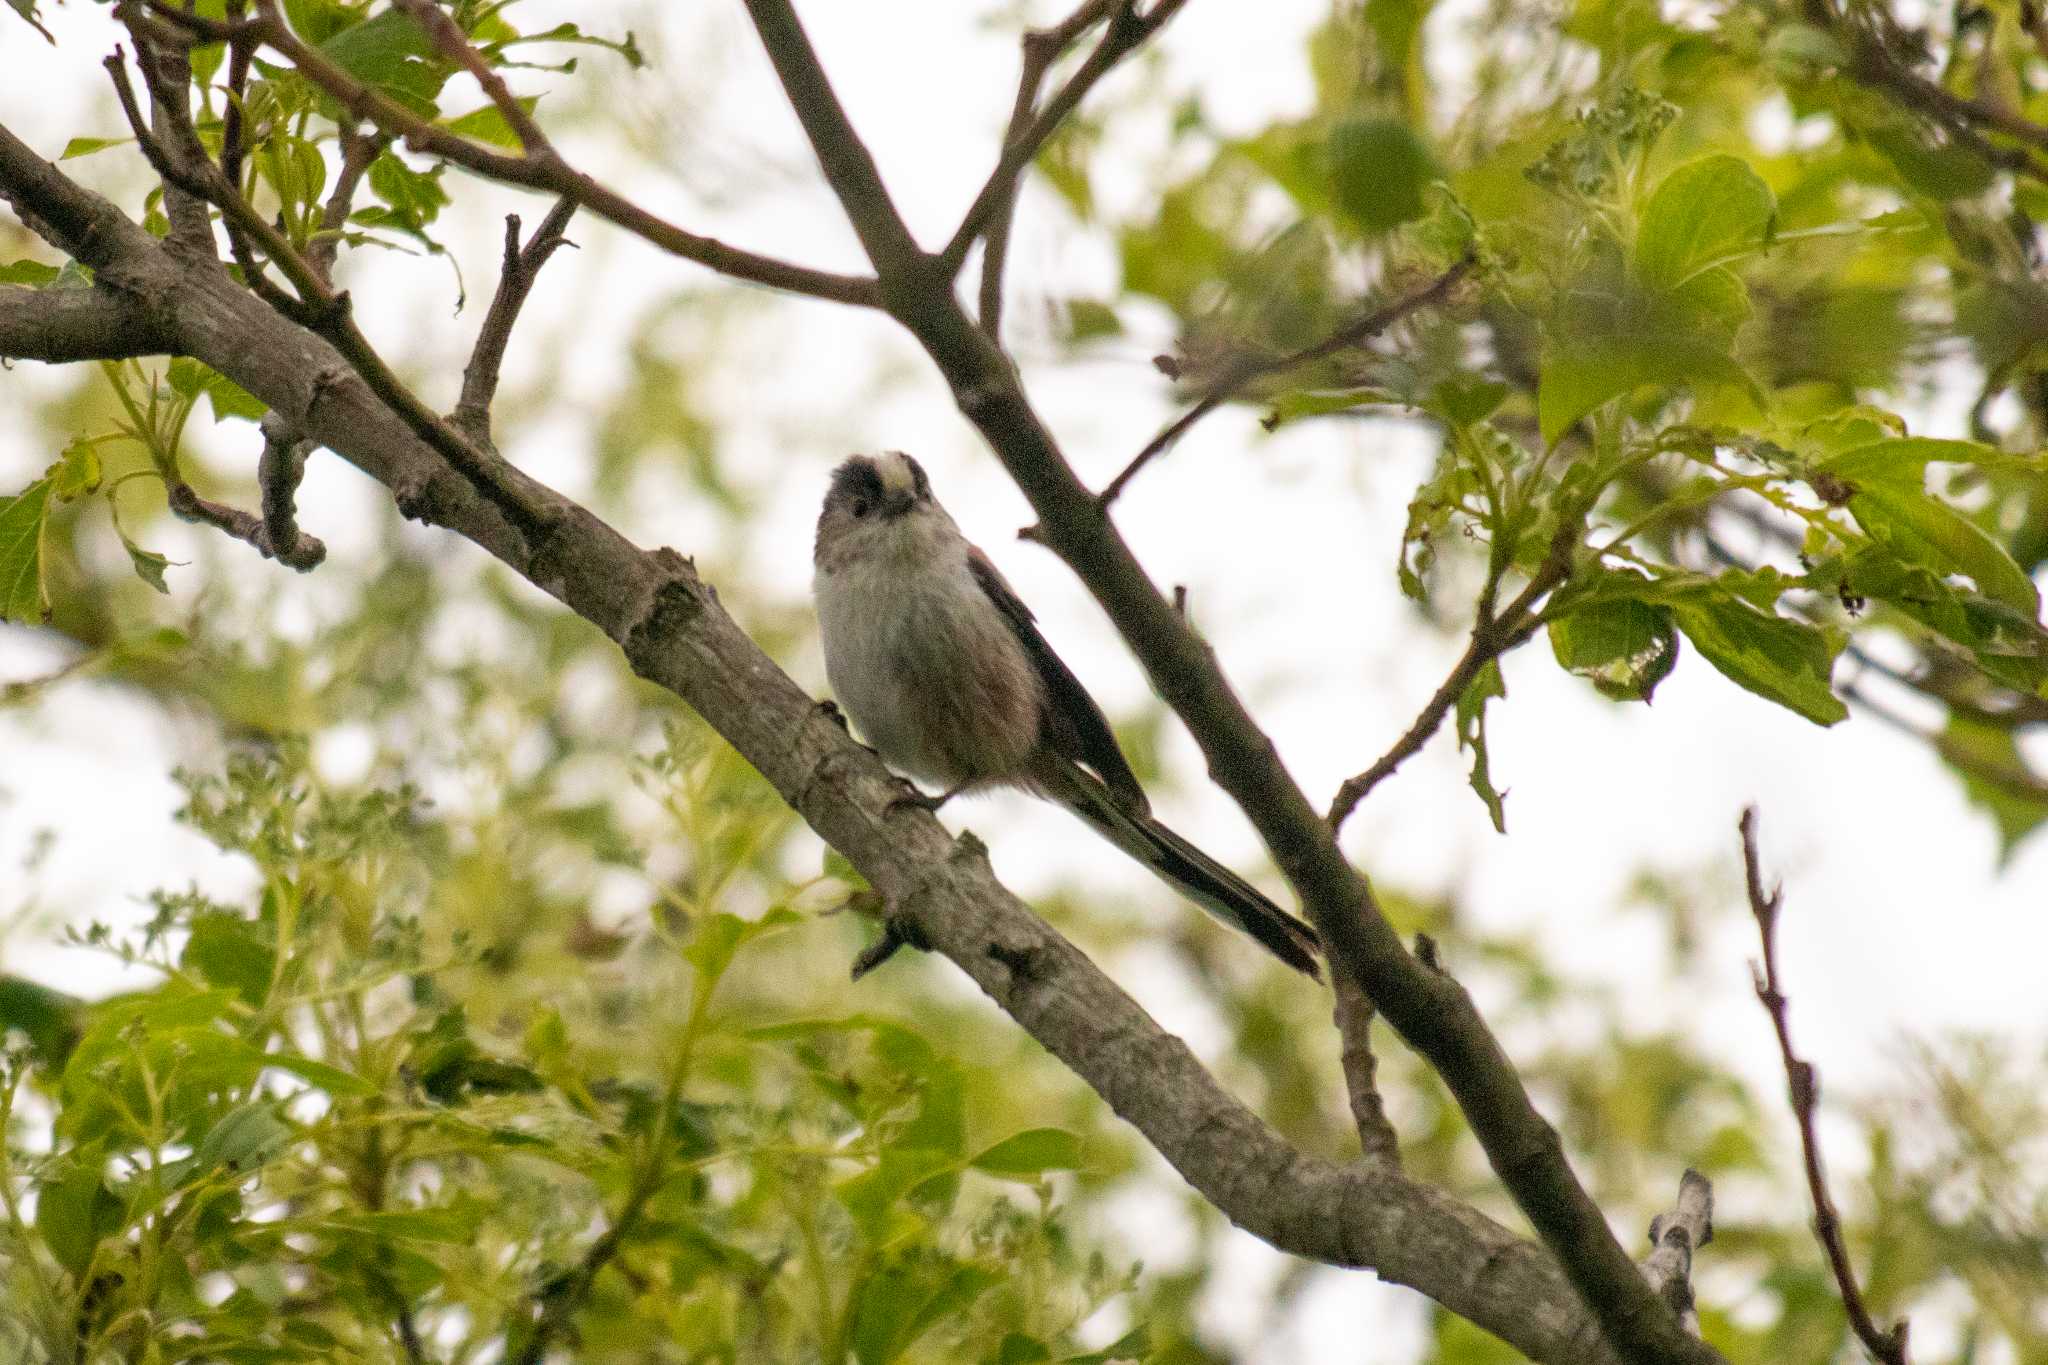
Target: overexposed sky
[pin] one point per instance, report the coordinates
(1899, 922)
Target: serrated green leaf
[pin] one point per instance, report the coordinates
(1486, 684)
(1624, 648)
(24, 594)
(1705, 212)
(77, 471)
(1030, 1153)
(1924, 530)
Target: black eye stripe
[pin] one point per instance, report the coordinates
(921, 485)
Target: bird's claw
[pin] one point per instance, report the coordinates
(913, 799)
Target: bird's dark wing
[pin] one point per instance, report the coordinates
(1074, 725)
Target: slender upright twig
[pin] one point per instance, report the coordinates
(1803, 1084)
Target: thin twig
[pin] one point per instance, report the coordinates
(167, 71)
(1042, 47)
(547, 171)
(1127, 31)
(1377, 1139)
(1674, 1236)
(522, 266)
(1803, 1083)
(326, 312)
(358, 150)
(278, 471)
(1492, 636)
(192, 175)
(1243, 372)
(187, 505)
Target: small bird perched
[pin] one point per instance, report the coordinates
(941, 665)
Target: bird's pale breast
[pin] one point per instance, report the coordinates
(929, 671)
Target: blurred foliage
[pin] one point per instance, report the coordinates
(529, 1024)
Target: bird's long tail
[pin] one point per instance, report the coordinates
(1192, 872)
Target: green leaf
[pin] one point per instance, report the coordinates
(1924, 530)
(51, 1020)
(718, 937)
(1787, 662)
(34, 274)
(1902, 462)
(1292, 407)
(1135, 1344)
(1702, 214)
(247, 1138)
(27, 10)
(488, 124)
(445, 1226)
(1031, 1152)
(1579, 376)
(77, 471)
(149, 566)
(336, 1082)
(1379, 169)
(76, 1210)
(1486, 684)
(86, 146)
(1934, 167)
(227, 950)
(1995, 777)
(1624, 648)
(390, 51)
(1018, 1349)
(904, 1299)
(24, 593)
(871, 1196)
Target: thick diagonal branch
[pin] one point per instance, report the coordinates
(1427, 1007)
(673, 630)
(1803, 1085)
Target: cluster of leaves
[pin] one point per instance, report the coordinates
(351, 1114)
(1685, 336)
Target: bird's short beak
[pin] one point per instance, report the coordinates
(896, 502)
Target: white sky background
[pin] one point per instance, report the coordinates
(1899, 923)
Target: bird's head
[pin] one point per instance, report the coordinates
(876, 500)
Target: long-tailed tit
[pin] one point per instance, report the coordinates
(942, 668)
